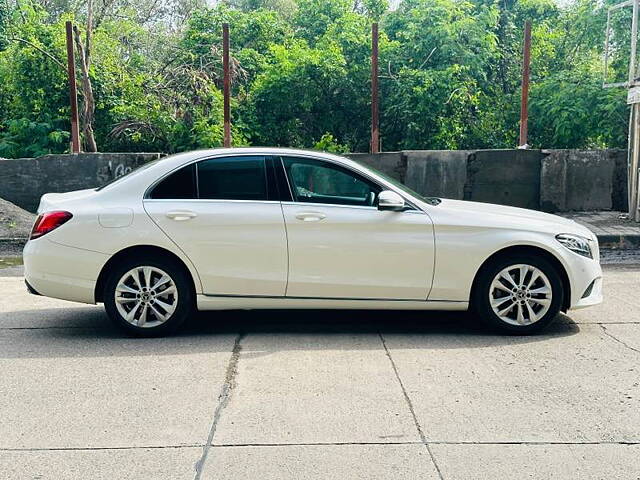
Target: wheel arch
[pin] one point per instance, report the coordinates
(135, 251)
(529, 249)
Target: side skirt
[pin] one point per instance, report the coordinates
(211, 302)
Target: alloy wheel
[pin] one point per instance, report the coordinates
(146, 296)
(520, 294)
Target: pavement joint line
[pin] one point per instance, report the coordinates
(613, 337)
(77, 327)
(310, 444)
(223, 399)
(533, 442)
(307, 444)
(596, 323)
(612, 323)
(423, 439)
(434, 442)
(83, 449)
(607, 323)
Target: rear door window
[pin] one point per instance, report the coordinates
(233, 178)
(178, 185)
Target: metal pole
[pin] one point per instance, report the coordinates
(634, 154)
(73, 95)
(634, 40)
(227, 85)
(375, 127)
(634, 140)
(524, 102)
(605, 75)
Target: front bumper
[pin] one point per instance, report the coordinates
(590, 297)
(585, 278)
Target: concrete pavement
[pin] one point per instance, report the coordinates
(316, 395)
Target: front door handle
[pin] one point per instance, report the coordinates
(311, 216)
(181, 215)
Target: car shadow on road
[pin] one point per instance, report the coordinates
(399, 323)
(87, 332)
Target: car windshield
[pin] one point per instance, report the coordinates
(400, 185)
(133, 172)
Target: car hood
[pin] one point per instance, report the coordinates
(513, 217)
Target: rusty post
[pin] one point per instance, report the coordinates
(375, 127)
(227, 85)
(524, 103)
(73, 95)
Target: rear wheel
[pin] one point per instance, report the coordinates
(521, 294)
(148, 297)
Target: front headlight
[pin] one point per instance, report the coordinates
(576, 244)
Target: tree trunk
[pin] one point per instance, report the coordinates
(88, 101)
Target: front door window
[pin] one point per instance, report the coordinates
(314, 181)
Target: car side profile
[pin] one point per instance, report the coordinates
(261, 228)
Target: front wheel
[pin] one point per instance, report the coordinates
(148, 297)
(521, 294)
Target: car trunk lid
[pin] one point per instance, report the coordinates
(53, 201)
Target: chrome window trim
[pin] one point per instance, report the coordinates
(303, 154)
(207, 200)
(357, 207)
(197, 180)
(274, 202)
(324, 205)
(286, 178)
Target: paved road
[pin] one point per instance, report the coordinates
(309, 395)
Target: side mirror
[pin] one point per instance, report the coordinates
(388, 200)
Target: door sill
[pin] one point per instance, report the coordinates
(229, 302)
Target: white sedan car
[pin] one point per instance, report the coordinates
(262, 228)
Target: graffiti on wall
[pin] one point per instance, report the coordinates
(120, 169)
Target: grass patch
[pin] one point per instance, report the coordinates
(6, 262)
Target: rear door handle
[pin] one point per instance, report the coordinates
(181, 215)
(310, 216)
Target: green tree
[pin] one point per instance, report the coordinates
(449, 73)
(313, 18)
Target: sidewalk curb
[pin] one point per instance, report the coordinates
(18, 242)
(619, 242)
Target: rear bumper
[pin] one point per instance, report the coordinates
(30, 289)
(59, 271)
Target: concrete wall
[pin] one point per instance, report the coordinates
(550, 180)
(437, 173)
(393, 164)
(584, 180)
(507, 177)
(24, 180)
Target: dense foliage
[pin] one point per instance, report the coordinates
(449, 74)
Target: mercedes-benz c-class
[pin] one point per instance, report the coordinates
(263, 228)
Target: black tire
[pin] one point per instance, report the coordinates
(184, 300)
(481, 303)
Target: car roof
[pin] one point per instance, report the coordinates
(179, 159)
(257, 151)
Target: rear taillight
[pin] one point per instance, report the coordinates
(49, 221)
